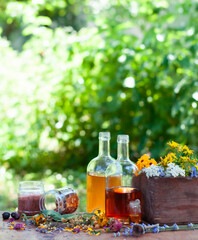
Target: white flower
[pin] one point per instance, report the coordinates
(153, 171)
(174, 171)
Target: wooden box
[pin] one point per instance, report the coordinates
(168, 200)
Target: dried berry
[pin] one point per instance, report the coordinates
(5, 215)
(15, 215)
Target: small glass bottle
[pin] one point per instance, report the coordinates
(119, 197)
(65, 199)
(96, 174)
(28, 197)
(135, 211)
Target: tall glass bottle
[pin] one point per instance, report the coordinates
(128, 167)
(96, 174)
(119, 198)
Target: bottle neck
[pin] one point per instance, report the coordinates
(123, 151)
(104, 147)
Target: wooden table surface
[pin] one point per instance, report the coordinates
(32, 234)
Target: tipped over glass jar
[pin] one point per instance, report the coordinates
(65, 199)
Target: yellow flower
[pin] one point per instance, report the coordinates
(172, 156)
(101, 218)
(173, 144)
(39, 219)
(152, 161)
(169, 158)
(184, 159)
(186, 150)
(143, 162)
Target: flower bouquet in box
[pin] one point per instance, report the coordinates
(169, 188)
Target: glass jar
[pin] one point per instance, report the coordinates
(96, 174)
(118, 198)
(65, 199)
(29, 194)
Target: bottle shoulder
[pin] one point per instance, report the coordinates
(100, 163)
(125, 161)
(128, 165)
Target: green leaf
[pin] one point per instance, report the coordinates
(50, 213)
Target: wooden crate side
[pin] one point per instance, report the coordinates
(168, 200)
(147, 189)
(176, 200)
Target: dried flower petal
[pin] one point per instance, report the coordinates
(115, 225)
(76, 230)
(19, 226)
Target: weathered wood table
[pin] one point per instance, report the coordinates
(32, 234)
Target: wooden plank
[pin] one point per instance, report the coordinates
(168, 200)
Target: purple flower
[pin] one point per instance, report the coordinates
(175, 226)
(156, 229)
(11, 220)
(131, 231)
(76, 230)
(161, 173)
(115, 225)
(193, 172)
(166, 226)
(190, 225)
(132, 224)
(18, 226)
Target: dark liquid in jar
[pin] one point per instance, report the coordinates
(29, 204)
(118, 199)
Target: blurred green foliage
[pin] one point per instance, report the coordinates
(70, 69)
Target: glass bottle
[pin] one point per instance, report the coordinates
(134, 211)
(63, 200)
(96, 174)
(118, 198)
(29, 194)
(128, 167)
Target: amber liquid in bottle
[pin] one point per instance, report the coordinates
(135, 218)
(96, 181)
(96, 191)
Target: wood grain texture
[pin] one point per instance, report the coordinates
(168, 200)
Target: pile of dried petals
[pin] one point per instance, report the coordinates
(93, 224)
(39, 219)
(17, 226)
